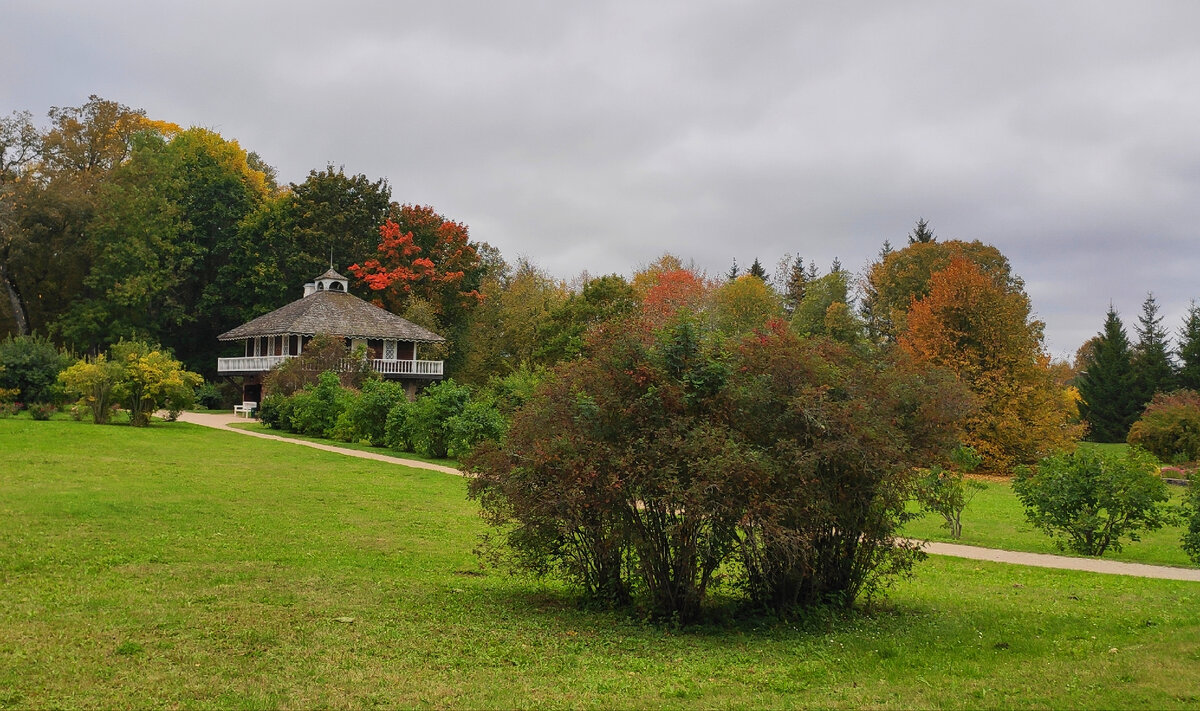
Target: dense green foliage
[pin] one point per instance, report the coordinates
(30, 365)
(1153, 371)
(1191, 511)
(1109, 402)
(444, 420)
(1189, 349)
(1089, 501)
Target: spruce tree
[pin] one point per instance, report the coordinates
(921, 233)
(1189, 349)
(1153, 370)
(795, 285)
(733, 271)
(757, 270)
(1107, 401)
(836, 266)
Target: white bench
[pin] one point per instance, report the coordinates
(244, 409)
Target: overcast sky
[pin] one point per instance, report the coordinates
(598, 135)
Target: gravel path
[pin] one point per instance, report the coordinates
(1040, 560)
(223, 422)
(1045, 560)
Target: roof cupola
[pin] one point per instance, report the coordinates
(329, 281)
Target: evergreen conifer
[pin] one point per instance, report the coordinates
(1189, 349)
(1153, 370)
(1107, 401)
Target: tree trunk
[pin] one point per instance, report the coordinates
(15, 302)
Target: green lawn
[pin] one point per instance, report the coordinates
(996, 519)
(180, 566)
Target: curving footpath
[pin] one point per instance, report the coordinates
(223, 422)
(1039, 560)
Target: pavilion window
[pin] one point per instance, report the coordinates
(389, 350)
(293, 345)
(248, 347)
(404, 350)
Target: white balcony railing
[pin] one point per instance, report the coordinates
(255, 364)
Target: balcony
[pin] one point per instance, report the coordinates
(394, 368)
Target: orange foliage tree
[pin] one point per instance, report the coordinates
(424, 255)
(668, 286)
(978, 326)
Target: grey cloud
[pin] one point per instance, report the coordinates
(598, 135)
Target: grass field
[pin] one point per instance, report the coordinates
(179, 566)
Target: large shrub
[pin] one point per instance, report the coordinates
(647, 466)
(1191, 511)
(365, 416)
(1088, 501)
(149, 379)
(398, 429)
(315, 409)
(479, 421)
(30, 365)
(427, 421)
(94, 381)
(1170, 426)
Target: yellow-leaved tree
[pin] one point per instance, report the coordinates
(978, 326)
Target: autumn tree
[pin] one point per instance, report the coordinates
(1109, 403)
(901, 276)
(423, 255)
(668, 286)
(744, 304)
(980, 328)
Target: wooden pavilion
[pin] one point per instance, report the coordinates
(390, 341)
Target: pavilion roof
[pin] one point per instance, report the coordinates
(335, 313)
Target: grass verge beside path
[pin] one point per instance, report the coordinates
(184, 566)
(996, 519)
(357, 446)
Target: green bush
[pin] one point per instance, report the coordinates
(271, 412)
(398, 430)
(366, 413)
(30, 365)
(316, 409)
(209, 395)
(477, 422)
(430, 414)
(41, 411)
(1088, 501)
(947, 492)
(1170, 427)
(1191, 538)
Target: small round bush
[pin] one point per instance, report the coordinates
(1088, 501)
